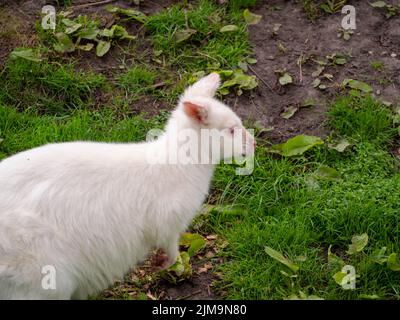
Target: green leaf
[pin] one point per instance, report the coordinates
(340, 61)
(102, 48)
(229, 28)
(339, 278)
(121, 33)
(340, 146)
(316, 82)
(179, 271)
(378, 256)
(243, 65)
(229, 210)
(251, 61)
(285, 79)
(359, 85)
(369, 296)
(183, 35)
(379, 4)
(131, 13)
(240, 80)
(303, 296)
(71, 25)
(116, 31)
(108, 33)
(88, 33)
(326, 8)
(328, 173)
(358, 243)
(346, 36)
(27, 54)
(297, 145)
(68, 22)
(250, 17)
(194, 241)
(276, 28)
(318, 72)
(289, 112)
(393, 262)
(279, 257)
(86, 47)
(196, 246)
(64, 43)
(309, 102)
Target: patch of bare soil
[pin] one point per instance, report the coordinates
(146, 280)
(17, 25)
(375, 39)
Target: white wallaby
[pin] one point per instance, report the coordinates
(85, 213)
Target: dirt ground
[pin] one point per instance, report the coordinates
(375, 39)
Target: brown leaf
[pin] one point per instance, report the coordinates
(150, 296)
(202, 270)
(210, 254)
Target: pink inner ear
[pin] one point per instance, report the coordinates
(194, 111)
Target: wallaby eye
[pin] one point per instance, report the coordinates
(232, 130)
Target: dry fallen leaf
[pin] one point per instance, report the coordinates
(212, 237)
(150, 296)
(202, 270)
(210, 254)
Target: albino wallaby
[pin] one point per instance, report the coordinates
(87, 212)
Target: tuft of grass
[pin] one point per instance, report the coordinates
(47, 87)
(311, 9)
(314, 9)
(24, 130)
(377, 65)
(137, 80)
(363, 119)
(207, 47)
(237, 4)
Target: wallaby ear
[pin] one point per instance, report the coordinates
(195, 112)
(206, 86)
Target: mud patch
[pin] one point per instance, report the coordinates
(17, 27)
(376, 39)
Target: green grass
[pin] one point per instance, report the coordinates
(47, 87)
(137, 80)
(377, 65)
(285, 212)
(368, 121)
(315, 8)
(207, 47)
(24, 130)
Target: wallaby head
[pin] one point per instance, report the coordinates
(200, 111)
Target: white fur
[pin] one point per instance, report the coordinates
(94, 210)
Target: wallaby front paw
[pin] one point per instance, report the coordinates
(162, 261)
